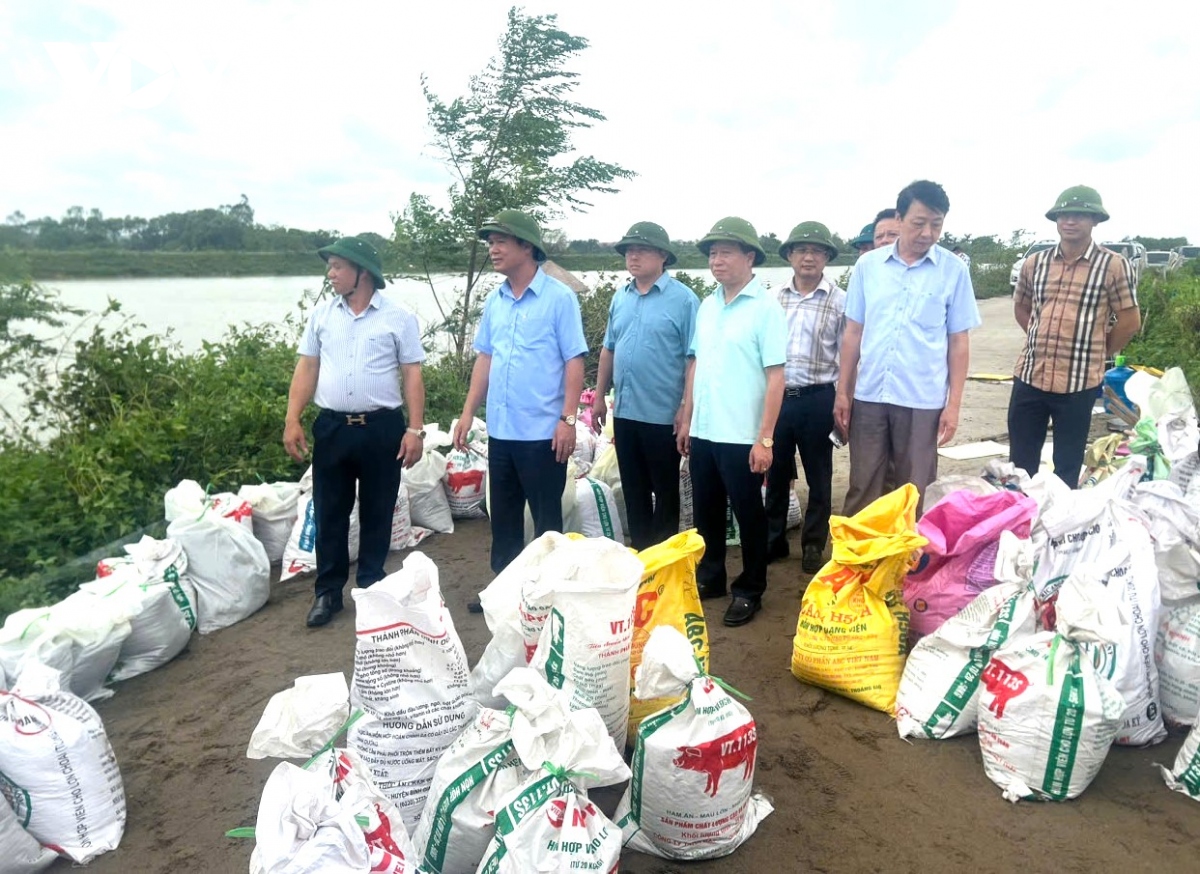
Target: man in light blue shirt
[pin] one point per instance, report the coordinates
(529, 365)
(734, 389)
(650, 325)
(905, 352)
(356, 350)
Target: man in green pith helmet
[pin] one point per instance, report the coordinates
(865, 241)
(650, 325)
(529, 350)
(357, 350)
(734, 389)
(815, 309)
(1077, 305)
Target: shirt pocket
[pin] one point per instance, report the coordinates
(929, 311)
(381, 355)
(534, 333)
(661, 333)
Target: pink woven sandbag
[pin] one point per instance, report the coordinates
(961, 529)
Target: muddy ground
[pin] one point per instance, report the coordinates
(849, 794)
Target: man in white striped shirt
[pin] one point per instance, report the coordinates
(816, 315)
(355, 352)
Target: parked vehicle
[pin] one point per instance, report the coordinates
(1135, 252)
(1015, 274)
(1186, 253)
(1164, 262)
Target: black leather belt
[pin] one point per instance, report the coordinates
(799, 391)
(360, 420)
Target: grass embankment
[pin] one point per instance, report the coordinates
(117, 263)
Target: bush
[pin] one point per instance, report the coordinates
(1170, 334)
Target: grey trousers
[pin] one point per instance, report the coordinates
(883, 435)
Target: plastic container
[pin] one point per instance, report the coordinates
(1115, 379)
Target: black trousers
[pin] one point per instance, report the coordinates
(804, 424)
(345, 455)
(720, 471)
(521, 471)
(1031, 409)
(649, 463)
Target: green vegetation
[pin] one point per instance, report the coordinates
(123, 263)
(1170, 334)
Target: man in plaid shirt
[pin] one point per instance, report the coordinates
(1078, 306)
(816, 315)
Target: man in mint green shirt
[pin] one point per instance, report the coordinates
(734, 390)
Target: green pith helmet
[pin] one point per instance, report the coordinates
(734, 230)
(866, 235)
(516, 224)
(809, 232)
(358, 252)
(1079, 198)
(647, 234)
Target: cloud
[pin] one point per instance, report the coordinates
(775, 111)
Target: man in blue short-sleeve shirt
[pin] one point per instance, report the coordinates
(529, 366)
(734, 389)
(645, 354)
(357, 349)
(909, 308)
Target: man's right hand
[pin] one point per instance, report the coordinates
(841, 414)
(294, 441)
(599, 413)
(683, 439)
(461, 430)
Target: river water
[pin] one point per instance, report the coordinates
(193, 311)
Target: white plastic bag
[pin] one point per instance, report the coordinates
(80, 637)
(606, 470)
(691, 795)
(938, 696)
(60, 775)
(595, 512)
(944, 485)
(410, 677)
(426, 495)
(405, 535)
(548, 823)
(298, 721)
(1185, 775)
(186, 499)
(303, 829)
(20, 853)
(275, 509)
(1175, 529)
(501, 602)
(578, 613)
(227, 565)
(1177, 655)
(1047, 717)
(300, 554)
(481, 769)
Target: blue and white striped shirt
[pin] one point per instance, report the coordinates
(360, 355)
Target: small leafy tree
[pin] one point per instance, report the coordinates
(507, 144)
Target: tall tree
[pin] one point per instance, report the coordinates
(507, 144)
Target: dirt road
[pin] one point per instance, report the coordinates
(849, 794)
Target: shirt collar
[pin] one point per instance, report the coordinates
(373, 302)
(1087, 255)
(753, 288)
(934, 254)
(824, 285)
(535, 285)
(660, 284)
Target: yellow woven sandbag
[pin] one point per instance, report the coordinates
(667, 595)
(851, 636)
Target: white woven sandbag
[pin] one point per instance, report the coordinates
(275, 509)
(227, 565)
(300, 553)
(60, 774)
(300, 720)
(1184, 775)
(20, 853)
(426, 495)
(1177, 655)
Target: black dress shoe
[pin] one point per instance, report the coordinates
(474, 606)
(322, 611)
(741, 610)
(778, 552)
(811, 562)
(711, 590)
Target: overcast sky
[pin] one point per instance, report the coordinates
(779, 112)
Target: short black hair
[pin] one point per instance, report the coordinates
(885, 214)
(929, 193)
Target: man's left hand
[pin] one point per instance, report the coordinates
(947, 425)
(412, 447)
(760, 458)
(563, 442)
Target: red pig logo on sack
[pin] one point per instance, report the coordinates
(463, 479)
(721, 754)
(1004, 684)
